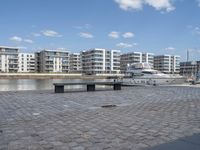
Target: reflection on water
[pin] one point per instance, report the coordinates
(34, 84)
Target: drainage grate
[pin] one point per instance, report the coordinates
(108, 106)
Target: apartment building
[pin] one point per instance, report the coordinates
(52, 61)
(99, 61)
(190, 68)
(135, 57)
(167, 63)
(26, 62)
(75, 62)
(9, 59)
(113, 61)
(148, 58)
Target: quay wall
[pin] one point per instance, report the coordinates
(55, 76)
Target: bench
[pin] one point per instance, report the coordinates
(59, 87)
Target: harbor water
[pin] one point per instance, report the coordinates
(36, 84)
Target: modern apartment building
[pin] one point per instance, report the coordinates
(26, 62)
(113, 61)
(167, 63)
(75, 62)
(135, 57)
(148, 58)
(190, 68)
(9, 59)
(99, 61)
(52, 61)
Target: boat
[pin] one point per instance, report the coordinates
(142, 73)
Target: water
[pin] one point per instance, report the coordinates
(34, 84)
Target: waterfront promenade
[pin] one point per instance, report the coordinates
(55, 76)
(144, 117)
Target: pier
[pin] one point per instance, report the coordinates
(133, 118)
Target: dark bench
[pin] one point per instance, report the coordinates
(59, 87)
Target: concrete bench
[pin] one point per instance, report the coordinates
(59, 87)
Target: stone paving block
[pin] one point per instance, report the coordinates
(144, 117)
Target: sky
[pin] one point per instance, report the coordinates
(155, 26)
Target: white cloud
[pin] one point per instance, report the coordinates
(36, 34)
(114, 35)
(198, 1)
(87, 26)
(19, 39)
(51, 33)
(130, 4)
(86, 35)
(138, 4)
(28, 41)
(125, 45)
(170, 48)
(128, 35)
(196, 30)
(16, 39)
(161, 4)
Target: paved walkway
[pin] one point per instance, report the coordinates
(187, 143)
(144, 118)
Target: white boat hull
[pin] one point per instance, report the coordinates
(152, 81)
(142, 73)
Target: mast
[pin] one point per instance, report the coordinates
(188, 55)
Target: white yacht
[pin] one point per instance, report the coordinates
(142, 73)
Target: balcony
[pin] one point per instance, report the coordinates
(65, 65)
(13, 58)
(10, 68)
(48, 68)
(48, 59)
(13, 62)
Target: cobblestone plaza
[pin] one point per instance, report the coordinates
(143, 117)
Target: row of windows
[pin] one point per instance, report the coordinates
(22, 55)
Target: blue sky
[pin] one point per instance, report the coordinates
(157, 26)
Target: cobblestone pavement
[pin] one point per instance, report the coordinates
(144, 117)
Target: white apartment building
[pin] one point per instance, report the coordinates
(190, 68)
(26, 62)
(135, 57)
(148, 58)
(99, 61)
(52, 61)
(167, 63)
(75, 62)
(9, 59)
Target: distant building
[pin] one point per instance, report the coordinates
(167, 64)
(26, 62)
(99, 61)
(52, 61)
(135, 57)
(75, 62)
(148, 58)
(9, 59)
(190, 68)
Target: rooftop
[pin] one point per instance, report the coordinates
(10, 47)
